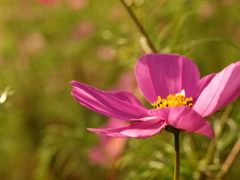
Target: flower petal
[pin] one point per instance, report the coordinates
(128, 98)
(104, 103)
(137, 130)
(202, 84)
(221, 90)
(185, 118)
(164, 74)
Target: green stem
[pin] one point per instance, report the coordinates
(143, 32)
(177, 156)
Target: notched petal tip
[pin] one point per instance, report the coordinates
(74, 83)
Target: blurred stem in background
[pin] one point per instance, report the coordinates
(179, 29)
(229, 160)
(212, 145)
(140, 27)
(209, 156)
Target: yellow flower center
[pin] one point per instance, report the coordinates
(173, 100)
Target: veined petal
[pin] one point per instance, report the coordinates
(220, 91)
(104, 103)
(128, 98)
(184, 117)
(164, 74)
(137, 130)
(202, 84)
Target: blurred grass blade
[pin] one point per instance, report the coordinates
(179, 28)
(213, 143)
(139, 26)
(161, 35)
(208, 40)
(229, 160)
(45, 155)
(144, 44)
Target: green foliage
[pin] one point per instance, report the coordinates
(43, 132)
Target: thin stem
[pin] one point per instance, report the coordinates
(228, 162)
(139, 26)
(213, 143)
(177, 157)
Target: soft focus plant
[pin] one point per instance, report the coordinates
(42, 46)
(108, 150)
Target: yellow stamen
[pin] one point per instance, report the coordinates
(173, 100)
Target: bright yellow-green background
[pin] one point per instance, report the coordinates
(44, 46)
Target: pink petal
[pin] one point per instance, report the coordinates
(137, 130)
(185, 118)
(164, 74)
(202, 84)
(111, 123)
(104, 103)
(96, 155)
(114, 147)
(222, 90)
(128, 98)
(108, 148)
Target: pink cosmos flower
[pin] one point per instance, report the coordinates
(48, 1)
(172, 84)
(77, 4)
(84, 29)
(109, 149)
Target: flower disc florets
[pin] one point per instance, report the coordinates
(173, 100)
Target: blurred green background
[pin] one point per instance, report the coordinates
(46, 44)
